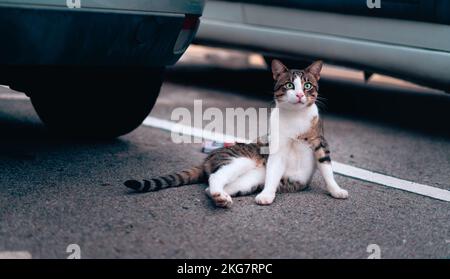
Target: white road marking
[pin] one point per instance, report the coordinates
(393, 182)
(340, 168)
(188, 130)
(15, 255)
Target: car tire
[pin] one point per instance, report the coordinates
(96, 104)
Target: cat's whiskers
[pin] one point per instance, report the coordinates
(322, 98)
(321, 105)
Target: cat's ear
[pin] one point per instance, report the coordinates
(315, 69)
(278, 68)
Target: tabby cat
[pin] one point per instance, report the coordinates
(243, 169)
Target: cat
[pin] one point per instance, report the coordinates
(243, 169)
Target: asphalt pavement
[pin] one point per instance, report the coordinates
(55, 192)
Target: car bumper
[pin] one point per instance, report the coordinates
(119, 6)
(122, 34)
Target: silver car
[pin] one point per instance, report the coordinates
(405, 39)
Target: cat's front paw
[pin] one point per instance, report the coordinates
(339, 193)
(265, 198)
(222, 199)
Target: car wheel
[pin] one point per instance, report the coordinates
(96, 103)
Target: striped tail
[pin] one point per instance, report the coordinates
(185, 177)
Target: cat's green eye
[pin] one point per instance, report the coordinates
(289, 85)
(308, 86)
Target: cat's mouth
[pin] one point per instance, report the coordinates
(300, 101)
(296, 102)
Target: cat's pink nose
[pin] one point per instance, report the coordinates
(300, 95)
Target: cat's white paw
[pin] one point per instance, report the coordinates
(222, 199)
(265, 198)
(339, 193)
(208, 192)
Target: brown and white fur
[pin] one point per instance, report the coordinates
(296, 151)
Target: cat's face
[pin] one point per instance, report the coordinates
(296, 89)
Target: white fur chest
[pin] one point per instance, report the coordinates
(293, 123)
(298, 156)
(300, 161)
